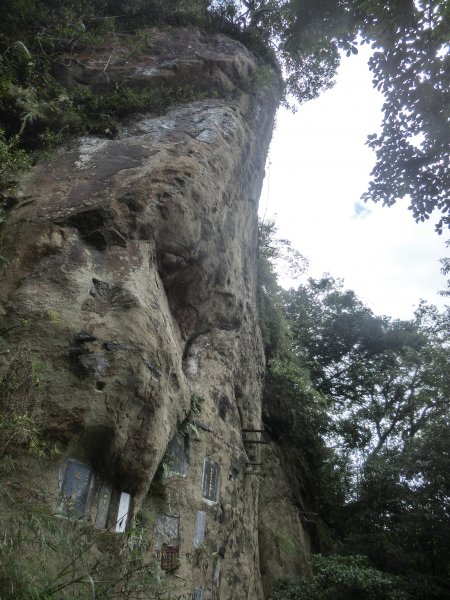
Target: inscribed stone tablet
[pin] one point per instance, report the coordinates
(122, 514)
(74, 490)
(167, 530)
(211, 480)
(170, 557)
(199, 528)
(103, 506)
(197, 594)
(216, 581)
(175, 458)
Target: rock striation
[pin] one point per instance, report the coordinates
(133, 267)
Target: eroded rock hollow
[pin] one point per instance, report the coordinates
(132, 275)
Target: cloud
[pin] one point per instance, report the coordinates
(320, 166)
(360, 211)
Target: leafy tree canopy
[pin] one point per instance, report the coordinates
(410, 66)
(385, 378)
(387, 387)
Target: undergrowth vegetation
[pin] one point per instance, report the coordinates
(21, 398)
(342, 578)
(43, 556)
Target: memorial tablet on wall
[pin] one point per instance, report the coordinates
(74, 489)
(211, 481)
(104, 500)
(167, 530)
(176, 457)
(200, 523)
(170, 557)
(123, 512)
(216, 581)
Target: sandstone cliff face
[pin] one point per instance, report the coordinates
(135, 276)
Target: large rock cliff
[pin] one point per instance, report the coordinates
(131, 274)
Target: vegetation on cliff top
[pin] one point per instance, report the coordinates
(409, 65)
(37, 112)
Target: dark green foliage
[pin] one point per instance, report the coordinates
(342, 578)
(13, 161)
(387, 385)
(359, 406)
(400, 518)
(136, 14)
(272, 252)
(312, 35)
(295, 415)
(385, 378)
(445, 270)
(37, 113)
(294, 411)
(101, 113)
(411, 67)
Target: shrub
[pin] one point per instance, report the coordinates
(21, 394)
(342, 578)
(13, 161)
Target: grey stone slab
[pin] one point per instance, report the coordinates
(200, 523)
(216, 581)
(104, 500)
(74, 489)
(176, 457)
(167, 530)
(211, 481)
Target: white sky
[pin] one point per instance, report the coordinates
(318, 168)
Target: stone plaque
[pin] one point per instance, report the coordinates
(74, 489)
(167, 530)
(175, 460)
(200, 523)
(211, 480)
(216, 581)
(123, 512)
(197, 594)
(104, 501)
(170, 557)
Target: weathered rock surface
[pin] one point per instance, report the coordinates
(284, 541)
(135, 274)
